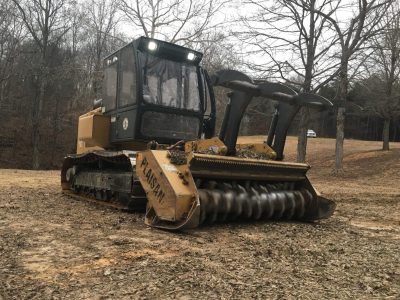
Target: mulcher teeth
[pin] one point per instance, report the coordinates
(260, 202)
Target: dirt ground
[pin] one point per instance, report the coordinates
(55, 247)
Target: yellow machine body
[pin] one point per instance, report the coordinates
(170, 190)
(176, 200)
(93, 132)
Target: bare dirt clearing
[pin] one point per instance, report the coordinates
(52, 246)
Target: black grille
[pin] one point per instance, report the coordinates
(169, 126)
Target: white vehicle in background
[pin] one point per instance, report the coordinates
(311, 133)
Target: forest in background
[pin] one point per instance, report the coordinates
(51, 55)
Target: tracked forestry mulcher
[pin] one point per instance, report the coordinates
(149, 142)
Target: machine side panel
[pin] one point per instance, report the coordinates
(123, 126)
(93, 133)
(170, 189)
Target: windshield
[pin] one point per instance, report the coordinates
(170, 83)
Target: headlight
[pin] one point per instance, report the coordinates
(152, 46)
(191, 56)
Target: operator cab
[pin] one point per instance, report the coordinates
(154, 90)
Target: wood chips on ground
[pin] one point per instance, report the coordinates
(55, 247)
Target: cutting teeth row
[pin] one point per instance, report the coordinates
(223, 203)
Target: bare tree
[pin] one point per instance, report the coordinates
(296, 41)
(78, 40)
(100, 23)
(10, 39)
(387, 59)
(217, 50)
(352, 36)
(176, 21)
(76, 15)
(44, 20)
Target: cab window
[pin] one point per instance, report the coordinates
(169, 83)
(110, 82)
(127, 95)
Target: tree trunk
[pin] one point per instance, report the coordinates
(339, 138)
(35, 150)
(302, 134)
(376, 131)
(322, 118)
(341, 111)
(55, 131)
(37, 115)
(308, 76)
(385, 135)
(97, 78)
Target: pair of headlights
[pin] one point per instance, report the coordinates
(152, 46)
